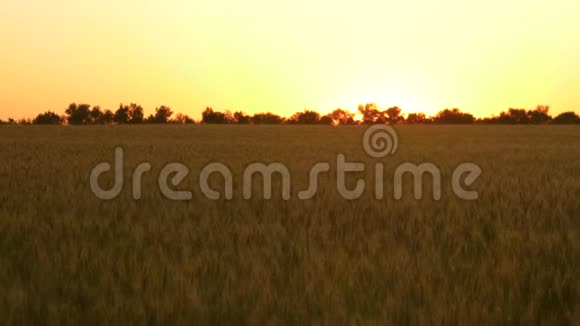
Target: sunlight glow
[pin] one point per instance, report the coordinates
(262, 56)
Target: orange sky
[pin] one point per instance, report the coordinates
(259, 55)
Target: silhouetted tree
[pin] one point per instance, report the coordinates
(454, 116)
(503, 118)
(416, 118)
(122, 115)
(25, 121)
(370, 113)
(519, 116)
(136, 114)
(182, 119)
(47, 118)
(394, 115)
(540, 114)
(105, 118)
(95, 115)
(566, 118)
(162, 115)
(132, 113)
(342, 117)
(215, 117)
(326, 120)
(78, 114)
(307, 117)
(241, 118)
(267, 118)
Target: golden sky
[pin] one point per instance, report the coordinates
(260, 55)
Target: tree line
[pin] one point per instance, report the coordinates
(370, 113)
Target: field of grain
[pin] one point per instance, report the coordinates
(67, 257)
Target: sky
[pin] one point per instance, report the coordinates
(262, 55)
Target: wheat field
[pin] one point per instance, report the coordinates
(510, 257)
